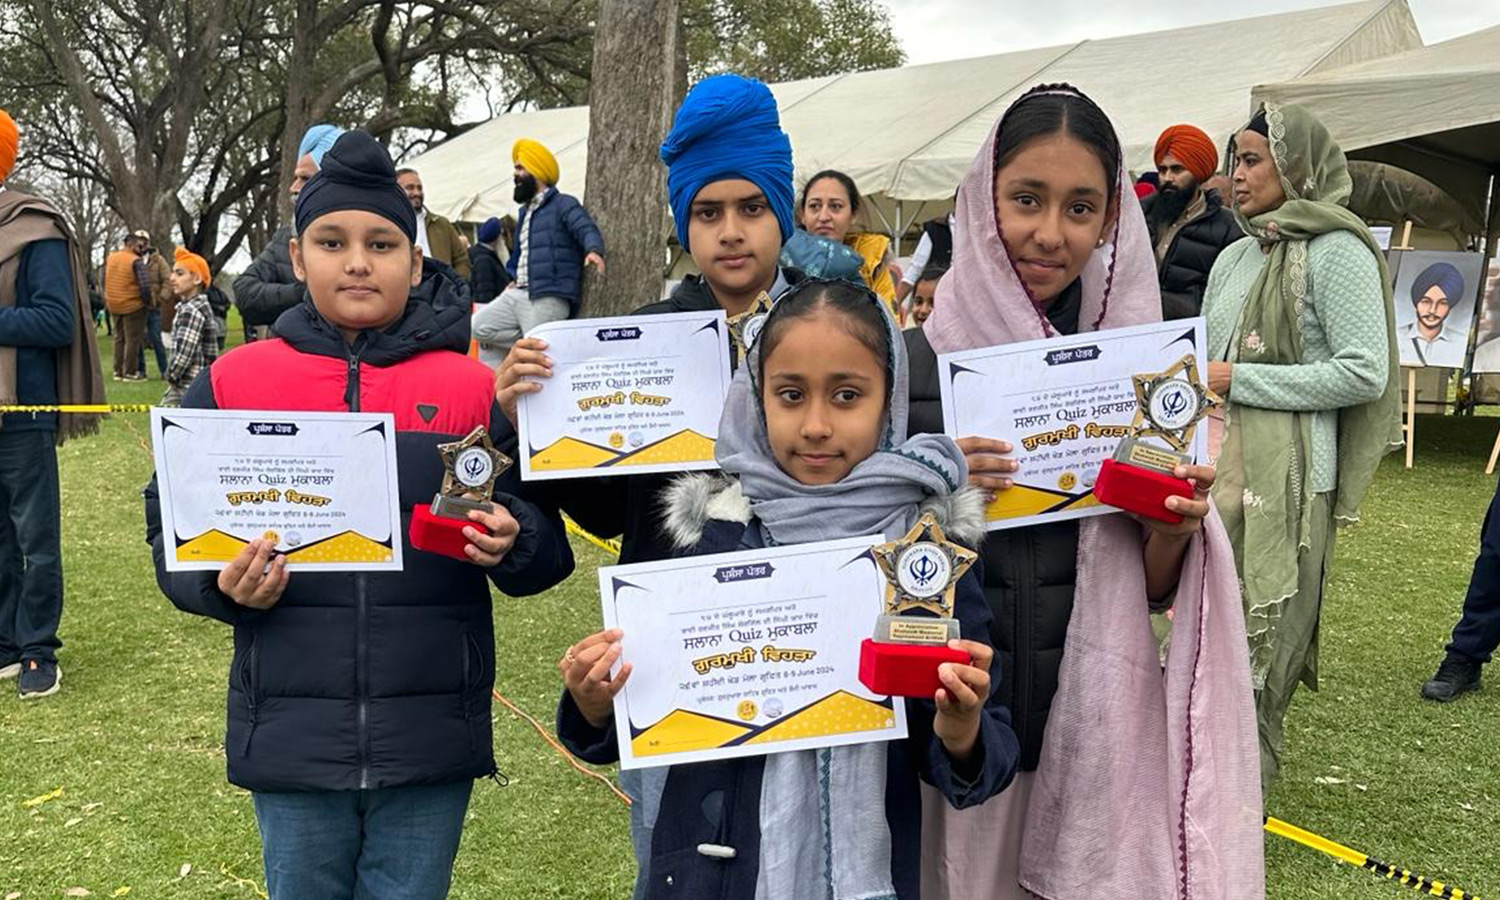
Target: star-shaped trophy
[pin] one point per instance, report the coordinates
(470, 467)
(1169, 406)
(921, 572)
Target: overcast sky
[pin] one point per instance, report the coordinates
(936, 30)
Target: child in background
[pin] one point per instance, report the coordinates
(923, 294)
(813, 444)
(359, 703)
(195, 335)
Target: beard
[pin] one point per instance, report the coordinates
(1171, 202)
(525, 189)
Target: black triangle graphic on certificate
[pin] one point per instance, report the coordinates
(1188, 336)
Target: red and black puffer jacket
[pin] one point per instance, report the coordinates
(378, 679)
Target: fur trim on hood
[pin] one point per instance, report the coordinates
(690, 502)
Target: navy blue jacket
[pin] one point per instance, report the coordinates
(369, 679)
(718, 802)
(560, 237)
(40, 324)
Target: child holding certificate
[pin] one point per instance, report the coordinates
(813, 443)
(729, 177)
(1124, 795)
(359, 702)
(729, 180)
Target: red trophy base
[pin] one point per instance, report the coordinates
(440, 534)
(1141, 491)
(904, 670)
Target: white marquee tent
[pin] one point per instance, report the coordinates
(1434, 111)
(907, 135)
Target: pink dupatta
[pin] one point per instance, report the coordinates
(1149, 782)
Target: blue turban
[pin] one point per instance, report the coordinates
(727, 127)
(1442, 275)
(357, 173)
(317, 141)
(489, 231)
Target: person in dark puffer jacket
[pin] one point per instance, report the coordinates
(555, 238)
(359, 703)
(1189, 223)
(487, 275)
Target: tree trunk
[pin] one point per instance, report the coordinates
(299, 92)
(631, 96)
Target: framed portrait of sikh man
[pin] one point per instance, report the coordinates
(1487, 344)
(1434, 296)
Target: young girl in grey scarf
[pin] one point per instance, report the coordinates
(813, 447)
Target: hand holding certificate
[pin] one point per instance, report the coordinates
(317, 488)
(1067, 405)
(738, 654)
(626, 395)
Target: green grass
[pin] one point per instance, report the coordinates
(134, 739)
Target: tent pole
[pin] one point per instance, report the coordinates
(900, 228)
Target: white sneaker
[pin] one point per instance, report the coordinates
(10, 671)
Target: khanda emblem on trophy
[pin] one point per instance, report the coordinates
(923, 569)
(476, 467)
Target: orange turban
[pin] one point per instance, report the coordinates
(1192, 147)
(9, 139)
(195, 264)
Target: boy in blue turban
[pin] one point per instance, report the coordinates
(729, 183)
(1428, 341)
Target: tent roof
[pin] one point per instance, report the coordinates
(910, 133)
(1434, 110)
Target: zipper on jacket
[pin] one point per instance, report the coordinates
(248, 683)
(1026, 590)
(361, 670)
(351, 381)
(361, 614)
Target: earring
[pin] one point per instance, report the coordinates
(1099, 243)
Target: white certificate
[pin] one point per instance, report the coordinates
(628, 395)
(321, 485)
(1064, 404)
(749, 653)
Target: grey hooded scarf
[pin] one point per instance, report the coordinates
(880, 495)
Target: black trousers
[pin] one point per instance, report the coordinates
(1478, 633)
(31, 582)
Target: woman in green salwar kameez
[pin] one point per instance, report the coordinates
(1302, 346)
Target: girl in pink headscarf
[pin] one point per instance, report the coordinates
(1134, 781)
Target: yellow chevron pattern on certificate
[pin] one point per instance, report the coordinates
(211, 546)
(570, 453)
(683, 447)
(346, 547)
(839, 713)
(682, 730)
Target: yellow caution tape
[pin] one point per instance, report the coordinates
(78, 408)
(1359, 860)
(612, 547)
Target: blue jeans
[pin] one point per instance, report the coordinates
(31, 581)
(153, 338)
(382, 844)
(1478, 632)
